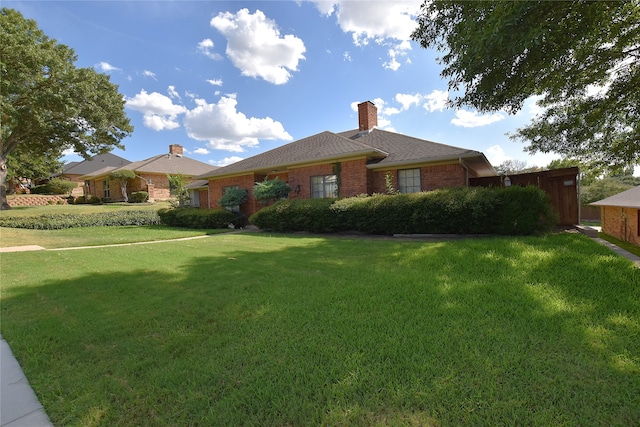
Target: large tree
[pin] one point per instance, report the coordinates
(582, 58)
(48, 104)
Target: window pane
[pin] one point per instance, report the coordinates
(409, 181)
(324, 186)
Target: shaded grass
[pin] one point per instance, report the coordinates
(95, 236)
(260, 330)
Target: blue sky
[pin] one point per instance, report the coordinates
(228, 80)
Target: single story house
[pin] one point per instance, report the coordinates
(151, 175)
(350, 163)
(620, 215)
(74, 171)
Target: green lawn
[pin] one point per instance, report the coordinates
(290, 330)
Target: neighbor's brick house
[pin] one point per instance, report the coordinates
(620, 215)
(151, 175)
(350, 163)
(75, 171)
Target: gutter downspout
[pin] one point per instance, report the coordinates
(466, 172)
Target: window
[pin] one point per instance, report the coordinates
(235, 208)
(409, 181)
(107, 192)
(324, 186)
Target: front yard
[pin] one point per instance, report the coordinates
(291, 330)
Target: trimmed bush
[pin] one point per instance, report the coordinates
(197, 218)
(98, 219)
(54, 186)
(139, 197)
(475, 210)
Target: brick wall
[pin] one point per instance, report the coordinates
(35, 200)
(621, 223)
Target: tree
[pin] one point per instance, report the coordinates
(178, 184)
(271, 189)
(510, 167)
(124, 176)
(601, 189)
(582, 58)
(47, 104)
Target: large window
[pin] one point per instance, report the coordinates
(324, 186)
(409, 181)
(107, 191)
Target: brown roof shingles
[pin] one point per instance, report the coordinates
(388, 147)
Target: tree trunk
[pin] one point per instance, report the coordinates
(3, 185)
(123, 188)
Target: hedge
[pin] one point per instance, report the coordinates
(475, 210)
(98, 219)
(197, 218)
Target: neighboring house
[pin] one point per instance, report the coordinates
(74, 171)
(351, 163)
(620, 215)
(151, 175)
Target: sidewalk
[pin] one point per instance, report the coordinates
(19, 406)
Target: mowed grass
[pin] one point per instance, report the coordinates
(287, 330)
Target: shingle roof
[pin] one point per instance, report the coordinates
(93, 164)
(383, 148)
(626, 199)
(162, 164)
(323, 146)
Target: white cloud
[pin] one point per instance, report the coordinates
(159, 112)
(226, 161)
(105, 67)
(148, 73)
(373, 20)
(173, 93)
(254, 45)
(407, 100)
(205, 47)
(201, 150)
(436, 101)
(496, 155)
(471, 119)
(347, 56)
(225, 128)
(216, 82)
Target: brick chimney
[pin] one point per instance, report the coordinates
(176, 149)
(367, 116)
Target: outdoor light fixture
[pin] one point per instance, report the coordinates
(507, 181)
(297, 190)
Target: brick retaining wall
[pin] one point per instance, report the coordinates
(35, 200)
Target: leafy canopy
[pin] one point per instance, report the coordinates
(47, 104)
(581, 58)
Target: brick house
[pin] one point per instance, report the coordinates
(350, 163)
(620, 215)
(75, 171)
(151, 175)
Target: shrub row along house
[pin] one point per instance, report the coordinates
(345, 164)
(151, 175)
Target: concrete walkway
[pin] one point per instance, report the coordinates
(19, 406)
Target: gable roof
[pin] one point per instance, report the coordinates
(172, 164)
(93, 164)
(626, 199)
(382, 148)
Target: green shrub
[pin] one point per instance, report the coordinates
(523, 210)
(233, 197)
(271, 189)
(54, 186)
(139, 197)
(197, 218)
(98, 219)
(475, 210)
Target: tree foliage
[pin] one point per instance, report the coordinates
(47, 104)
(271, 189)
(233, 197)
(179, 190)
(580, 57)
